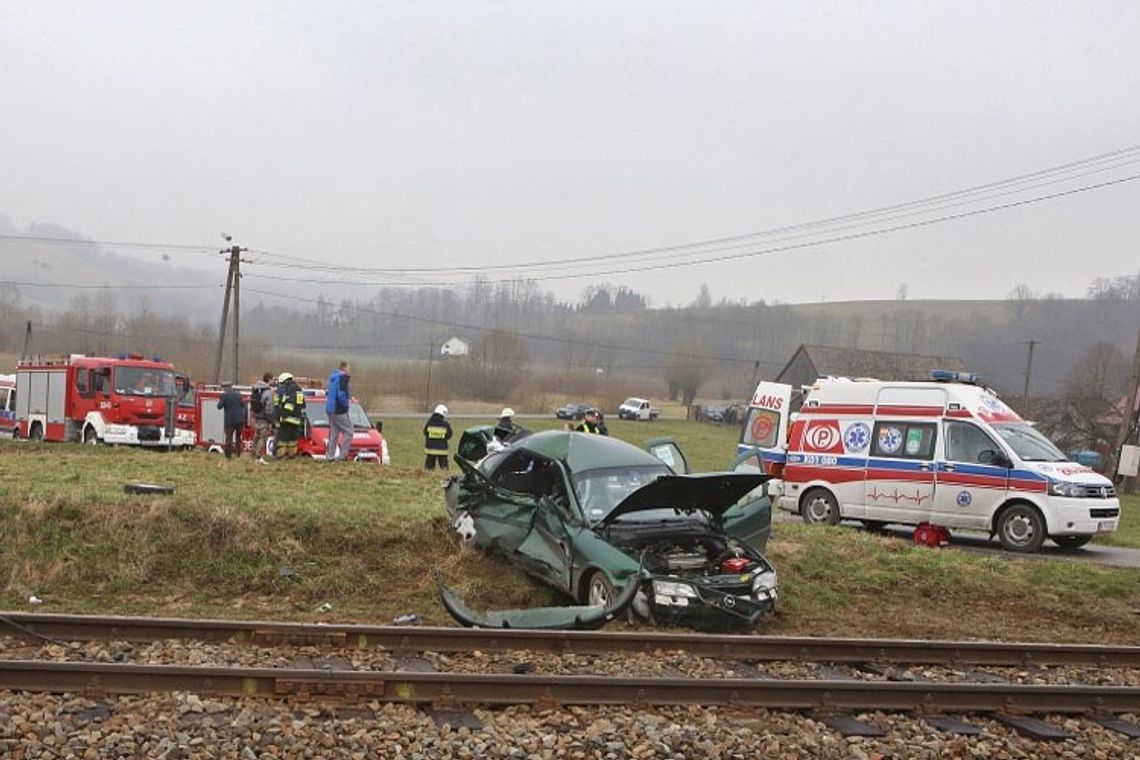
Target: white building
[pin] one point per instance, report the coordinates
(454, 346)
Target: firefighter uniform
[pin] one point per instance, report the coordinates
(290, 415)
(437, 432)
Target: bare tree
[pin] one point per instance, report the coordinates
(1020, 299)
(1092, 389)
(690, 367)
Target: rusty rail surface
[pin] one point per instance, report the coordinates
(444, 639)
(98, 679)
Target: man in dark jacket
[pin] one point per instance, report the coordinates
(593, 424)
(336, 406)
(437, 432)
(233, 419)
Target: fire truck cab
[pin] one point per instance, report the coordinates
(97, 400)
(949, 453)
(8, 406)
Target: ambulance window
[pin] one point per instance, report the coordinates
(965, 443)
(762, 428)
(903, 440)
(12, 400)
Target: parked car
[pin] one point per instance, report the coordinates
(575, 410)
(637, 409)
(592, 515)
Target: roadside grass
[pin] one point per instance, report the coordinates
(1128, 534)
(239, 539)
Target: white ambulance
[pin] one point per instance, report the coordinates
(949, 453)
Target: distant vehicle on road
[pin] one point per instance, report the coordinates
(637, 409)
(575, 410)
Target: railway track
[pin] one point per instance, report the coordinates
(340, 681)
(443, 639)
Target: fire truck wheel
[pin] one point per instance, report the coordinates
(90, 438)
(1020, 528)
(819, 506)
(36, 433)
(1071, 542)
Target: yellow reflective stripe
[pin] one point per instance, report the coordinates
(436, 432)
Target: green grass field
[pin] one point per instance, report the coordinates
(1129, 532)
(242, 539)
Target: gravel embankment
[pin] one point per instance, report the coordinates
(178, 726)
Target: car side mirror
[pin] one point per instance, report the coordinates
(379, 426)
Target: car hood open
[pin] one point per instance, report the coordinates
(714, 493)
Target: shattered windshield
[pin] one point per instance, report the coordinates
(142, 381)
(1029, 444)
(599, 491)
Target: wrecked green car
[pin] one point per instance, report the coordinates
(592, 515)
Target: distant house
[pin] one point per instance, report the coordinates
(454, 346)
(810, 363)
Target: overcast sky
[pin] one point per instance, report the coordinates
(411, 134)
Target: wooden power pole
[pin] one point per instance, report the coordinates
(1028, 374)
(233, 277)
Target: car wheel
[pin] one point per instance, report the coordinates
(1071, 542)
(819, 507)
(1021, 529)
(599, 590)
(90, 438)
(36, 433)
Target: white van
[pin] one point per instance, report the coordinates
(949, 453)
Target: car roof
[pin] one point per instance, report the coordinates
(584, 451)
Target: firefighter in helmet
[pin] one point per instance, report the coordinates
(290, 415)
(437, 432)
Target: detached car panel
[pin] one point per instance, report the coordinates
(594, 516)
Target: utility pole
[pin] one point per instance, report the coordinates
(1028, 374)
(1126, 422)
(27, 339)
(427, 398)
(232, 278)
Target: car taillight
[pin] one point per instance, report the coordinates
(735, 564)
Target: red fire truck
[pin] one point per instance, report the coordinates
(97, 400)
(8, 405)
(368, 444)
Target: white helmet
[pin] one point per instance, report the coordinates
(507, 412)
(441, 409)
(284, 376)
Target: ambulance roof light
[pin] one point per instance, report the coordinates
(950, 376)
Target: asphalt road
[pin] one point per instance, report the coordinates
(980, 543)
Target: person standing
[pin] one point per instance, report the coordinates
(592, 424)
(290, 415)
(437, 432)
(340, 422)
(261, 408)
(233, 419)
(505, 427)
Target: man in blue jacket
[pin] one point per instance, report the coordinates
(336, 405)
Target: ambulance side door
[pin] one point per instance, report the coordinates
(899, 485)
(972, 474)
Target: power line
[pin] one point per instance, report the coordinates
(88, 286)
(794, 246)
(1114, 159)
(108, 243)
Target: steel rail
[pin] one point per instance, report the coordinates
(443, 639)
(96, 679)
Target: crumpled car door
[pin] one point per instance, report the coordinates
(547, 551)
(669, 452)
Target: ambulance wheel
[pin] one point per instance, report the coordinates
(818, 506)
(90, 438)
(36, 432)
(1020, 528)
(1071, 542)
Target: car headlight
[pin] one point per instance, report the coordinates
(765, 581)
(670, 588)
(1061, 488)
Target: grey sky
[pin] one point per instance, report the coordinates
(465, 133)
